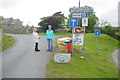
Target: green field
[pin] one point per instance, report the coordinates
(16, 33)
(7, 41)
(57, 34)
(90, 66)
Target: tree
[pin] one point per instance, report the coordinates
(57, 20)
(68, 28)
(104, 23)
(52, 20)
(108, 27)
(92, 20)
(1, 18)
(60, 16)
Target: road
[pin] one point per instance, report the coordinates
(0, 33)
(0, 55)
(21, 61)
(116, 57)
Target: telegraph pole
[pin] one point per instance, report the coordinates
(79, 7)
(79, 3)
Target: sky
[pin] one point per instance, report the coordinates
(30, 11)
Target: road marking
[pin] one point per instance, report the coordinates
(115, 58)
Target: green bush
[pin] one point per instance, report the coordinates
(89, 29)
(113, 32)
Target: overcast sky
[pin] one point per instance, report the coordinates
(30, 11)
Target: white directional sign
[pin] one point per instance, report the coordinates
(79, 15)
(84, 21)
(80, 9)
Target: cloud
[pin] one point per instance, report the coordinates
(33, 10)
(6, 4)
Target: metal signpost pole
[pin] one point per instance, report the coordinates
(83, 43)
(72, 42)
(97, 33)
(96, 45)
(84, 37)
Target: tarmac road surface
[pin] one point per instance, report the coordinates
(21, 61)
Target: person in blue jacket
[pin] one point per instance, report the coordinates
(50, 38)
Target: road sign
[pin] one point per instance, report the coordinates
(73, 22)
(97, 32)
(79, 30)
(78, 39)
(62, 58)
(84, 21)
(80, 9)
(79, 15)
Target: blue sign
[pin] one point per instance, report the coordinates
(80, 9)
(97, 32)
(79, 15)
(83, 15)
(90, 9)
(73, 22)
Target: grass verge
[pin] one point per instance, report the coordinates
(93, 66)
(57, 34)
(16, 33)
(7, 41)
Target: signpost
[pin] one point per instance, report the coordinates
(97, 33)
(78, 33)
(73, 22)
(80, 9)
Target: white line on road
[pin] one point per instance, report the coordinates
(115, 57)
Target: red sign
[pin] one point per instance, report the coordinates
(97, 30)
(79, 30)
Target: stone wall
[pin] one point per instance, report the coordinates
(59, 30)
(14, 29)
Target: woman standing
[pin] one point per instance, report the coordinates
(50, 38)
(36, 39)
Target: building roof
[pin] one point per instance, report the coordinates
(7, 20)
(10, 21)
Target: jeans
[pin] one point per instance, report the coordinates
(50, 44)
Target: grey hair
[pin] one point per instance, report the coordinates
(49, 26)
